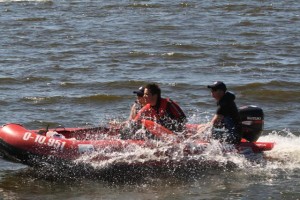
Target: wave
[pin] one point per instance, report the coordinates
(251, 34)
(167, 55)
(99, 98)
(46, 1)
(130, 85)
(273, 91)
(186, 46)
(8, 80)
(273, 95)
(35, 78)
(144, 5)
(33, 19)
(278, 84)
(42, 100)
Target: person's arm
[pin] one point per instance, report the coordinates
(132, 112)
(142, 113)
(176, 111)
(215, 120)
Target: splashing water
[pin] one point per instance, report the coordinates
(286, 152)
(162, 152)
(285, 155)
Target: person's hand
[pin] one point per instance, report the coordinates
(114, 124)
(202, 127)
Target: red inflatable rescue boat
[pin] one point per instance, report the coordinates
(68, 145)
(31, 147)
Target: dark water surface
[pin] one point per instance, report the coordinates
(76, 63)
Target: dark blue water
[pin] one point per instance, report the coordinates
(76, 63)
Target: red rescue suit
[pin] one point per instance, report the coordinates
(166, 112)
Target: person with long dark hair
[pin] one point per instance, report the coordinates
(163, 111)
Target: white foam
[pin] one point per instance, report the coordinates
(286, 152)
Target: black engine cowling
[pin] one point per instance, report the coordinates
(252, 119)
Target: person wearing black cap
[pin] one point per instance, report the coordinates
(226, 122)
(139, 102)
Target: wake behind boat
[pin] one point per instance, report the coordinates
(105, 145)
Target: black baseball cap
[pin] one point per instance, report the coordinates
(218, 85)
(139, 92)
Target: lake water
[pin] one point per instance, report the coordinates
(76, 63)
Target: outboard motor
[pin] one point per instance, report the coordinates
(252, 118)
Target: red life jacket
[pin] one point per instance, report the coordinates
(148, 112)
